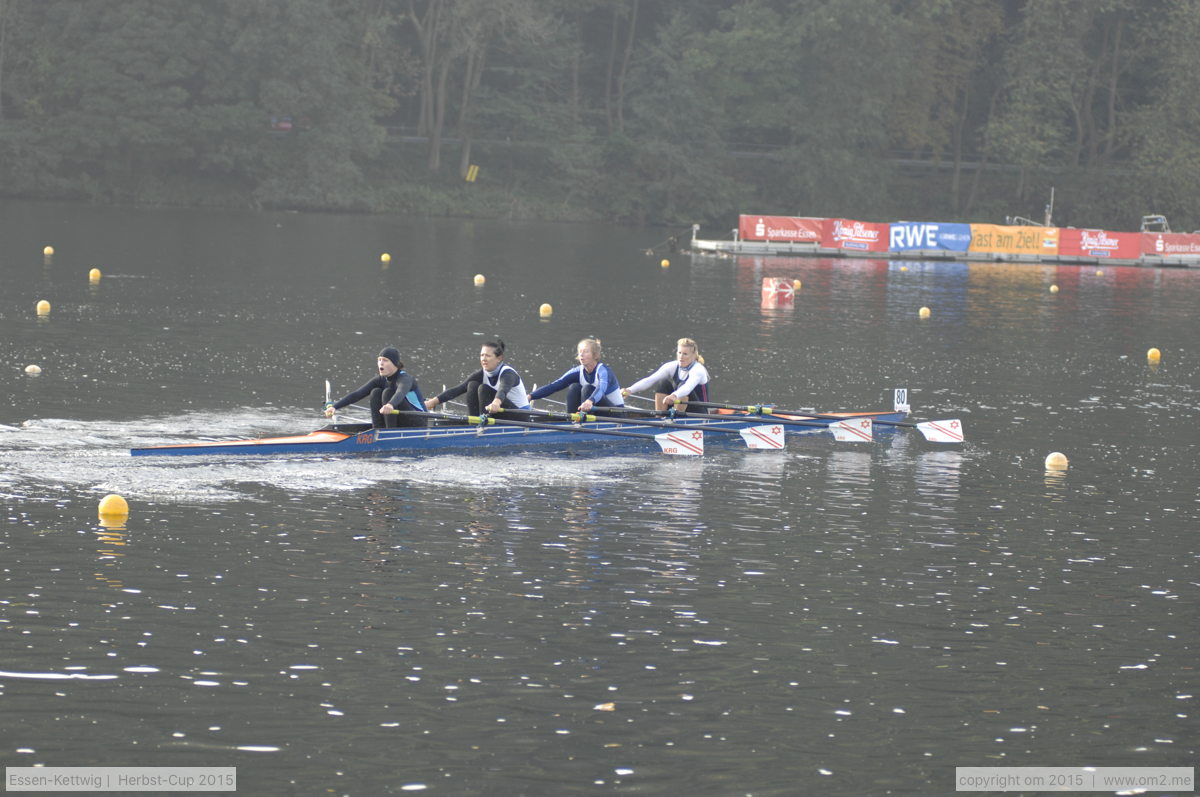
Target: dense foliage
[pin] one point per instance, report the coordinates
(662, 111)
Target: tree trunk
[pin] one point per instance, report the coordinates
(1087, 121)
(1077, 116)
(439, 117)
(625, 68)
(426, 26)
(471, 79)
(956, 172)
(475, 61)
(3, 50)
(1110, 132)
(983, 159)
(464, 160)
(612, 64)
(575, 88)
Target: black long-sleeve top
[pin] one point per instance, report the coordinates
(405, 386)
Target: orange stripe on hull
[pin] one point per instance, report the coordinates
(320, 436)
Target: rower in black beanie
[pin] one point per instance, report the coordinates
(392, 389)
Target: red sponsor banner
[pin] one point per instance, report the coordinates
(861, 236)
(1099, 243)
(1170, 244)
(797, 229)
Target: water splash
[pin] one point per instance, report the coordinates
(42, 458)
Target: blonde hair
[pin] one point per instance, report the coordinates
(593, 344)
(691, 344)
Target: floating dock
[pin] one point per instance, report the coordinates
(826, 237)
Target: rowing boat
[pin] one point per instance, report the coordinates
(343, 439)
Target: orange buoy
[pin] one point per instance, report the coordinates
(1056, 460)
(113, 505)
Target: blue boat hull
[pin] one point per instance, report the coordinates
(360, 439)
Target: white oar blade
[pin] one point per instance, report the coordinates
(765, 437)
(942, 431)
(859, 430)
(682, 443)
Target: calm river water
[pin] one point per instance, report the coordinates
(837, 619)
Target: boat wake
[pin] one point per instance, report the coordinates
(52, 459)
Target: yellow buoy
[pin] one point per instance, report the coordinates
(795, 285)
(545, 311)
(1056, 460)
(385, 258)
(113, 505)
(1154, 355)
(665, 263)
(904, 268)
(1099, 272)
(1054, 289)
(923, 312)
(479, 280)
(33, 370)
(43, 307)
(94, 275)
(49, 250)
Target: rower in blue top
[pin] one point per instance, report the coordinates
(589, 384)
(676, 381)
(392, 389)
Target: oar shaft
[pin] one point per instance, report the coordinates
(763, 418)
(944, 431)
(578, 417)
(836, 417)
(566, 428)
(487, 420)
(655, 424)
(774, 412)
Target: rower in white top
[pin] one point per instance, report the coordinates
(676, 381)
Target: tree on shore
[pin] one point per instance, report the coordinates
(665, 112)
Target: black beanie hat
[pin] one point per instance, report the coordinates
(392, 354)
